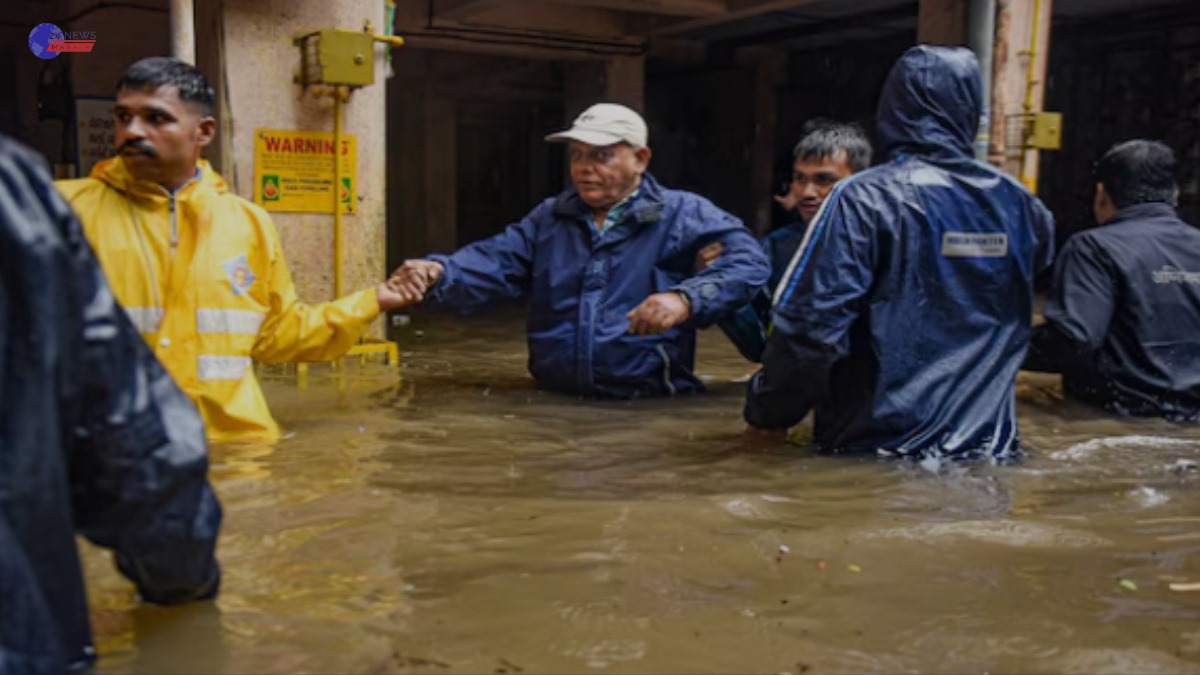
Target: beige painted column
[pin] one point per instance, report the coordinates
(183, 30)
(261, 62)
(1019, 81)
(942, 22)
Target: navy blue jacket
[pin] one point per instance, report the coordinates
(906, 316)
(95, 438)
(1123, 317)
(581, 284)
(747, 328)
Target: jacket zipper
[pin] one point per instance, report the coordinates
(174, 227)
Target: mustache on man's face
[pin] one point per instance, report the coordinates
(138, 144)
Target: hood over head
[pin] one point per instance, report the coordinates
(931, 104)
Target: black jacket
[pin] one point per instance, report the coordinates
(95, 438)
(1123, 317)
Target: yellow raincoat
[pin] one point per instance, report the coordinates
(202, 275)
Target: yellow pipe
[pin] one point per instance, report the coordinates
(1030, 83)
(337, 193)
(1031, 67)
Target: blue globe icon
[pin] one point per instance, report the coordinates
(39, 40)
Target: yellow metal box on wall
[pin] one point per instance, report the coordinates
(1047, 131)
(337, 57)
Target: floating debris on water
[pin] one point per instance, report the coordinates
(1128, 585)
(1185, 588)
(1183, 466)
(854, 568)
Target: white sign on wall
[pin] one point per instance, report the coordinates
(93, 132)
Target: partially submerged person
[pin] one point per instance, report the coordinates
(1123, 316)
(95, 439)
(904, 318)
(827, 153)
(608, 268)
(200, 270)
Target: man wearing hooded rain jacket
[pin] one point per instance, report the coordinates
(906, 313)
(201, 271)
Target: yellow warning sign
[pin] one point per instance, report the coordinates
(293, 171)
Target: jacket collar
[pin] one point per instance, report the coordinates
(647, 206)
(114, 172)
(1146, 211)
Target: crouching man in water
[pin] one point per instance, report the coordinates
(1123, 317)
(608, 267)
(828, 152)
(95, 439)
(906, 314)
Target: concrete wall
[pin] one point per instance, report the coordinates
(1116, 80)
(260, 62)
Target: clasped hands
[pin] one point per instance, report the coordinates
(409, 284)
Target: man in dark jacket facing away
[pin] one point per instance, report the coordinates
(608, 268)
(95, 438)
(906, 313)
(1123, 317)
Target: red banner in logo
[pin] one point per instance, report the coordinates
(73, 46)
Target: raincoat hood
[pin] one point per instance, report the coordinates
(113, 172)
(931, 104)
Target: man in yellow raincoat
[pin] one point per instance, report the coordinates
(200, 270)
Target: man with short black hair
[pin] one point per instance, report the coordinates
(200, 270)
(827, 153)
(1123, 316)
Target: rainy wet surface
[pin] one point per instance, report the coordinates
(455, 520)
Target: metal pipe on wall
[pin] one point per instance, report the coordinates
(183, 30)
(981, 38)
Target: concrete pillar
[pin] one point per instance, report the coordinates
(625, 81)
(183, 30)
(942, 22)
(619, 79)
(260, 63)
(441, 173)
(770, 72)
(1019, 76)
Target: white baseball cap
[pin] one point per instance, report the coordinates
(606, 124)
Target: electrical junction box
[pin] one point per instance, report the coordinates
(1046, 131)
(337, 58)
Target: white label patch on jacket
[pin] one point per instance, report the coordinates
(974, 245)
(241, 277)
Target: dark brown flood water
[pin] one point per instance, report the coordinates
(458, 521)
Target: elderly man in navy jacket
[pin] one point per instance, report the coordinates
(906, 314)
(608, 269)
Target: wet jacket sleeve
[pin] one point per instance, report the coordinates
(139, 461)
(297, 332)
(747, 327)
(817, 305)
(492, 269)
(730, 282)
(1078, 310)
